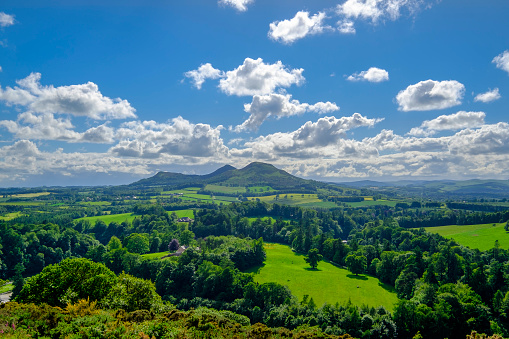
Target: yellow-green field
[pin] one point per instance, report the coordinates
(110, 218)
(327, 284)
(10, 216)
(30, 195)
(482, 236)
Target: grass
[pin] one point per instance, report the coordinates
(30, 195)
(110, 218)
(21, 203)
(157, 255)
(6, 288)
(290, 199)
(480, 236)
(225, 189)
(183, 213)
(367, 203)
(10, 216)
(327, 284)
(95, 203)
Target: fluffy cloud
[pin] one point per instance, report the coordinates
(489, 96)
(502, 61)
(301, 25)
(346, 27)
(323, 138)
(79, 100)
(455, 121)
(6, 19)
(372, 75)
(254, 77)
(46, 127)
(240, 5)
(489, 139)
(376, 10)
(430, 95)
(204, 72)
(149, 139)
(279, 105)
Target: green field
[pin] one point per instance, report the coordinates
(183, 213)
(290, 199)
(481, 236)
(10, 216)
(366, 203)
(95, 203)
(30, 195)
(225, 189)
(21, 203)
(6, 288)
(110, 218)
(157, 255)
(326, 284)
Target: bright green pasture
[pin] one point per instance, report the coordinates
(30, 195)
(366, 203)
(260, 189)
(157, 255)
(183, 213)
(10, 216)
(21, 203)
(328, 284)
(290, 199)
(95, 203)
(110, 218)
(6, 288)
(480, 236)
(225, 189)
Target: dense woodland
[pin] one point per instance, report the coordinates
(82, 273)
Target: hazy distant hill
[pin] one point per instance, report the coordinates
(466, 188)
(254, 174)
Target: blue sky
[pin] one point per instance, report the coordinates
(343, 90)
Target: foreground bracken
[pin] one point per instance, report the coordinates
(84, 320)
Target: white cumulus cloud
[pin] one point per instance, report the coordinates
(240, 5)
(6, 19)
(279, 105)
(204, 72)
(46, 127)
(457, 121)
(301, 25)
(373, 74)
(254, 77)
(79, 100)
(489, 96)
(502, 61)
(149, 139)
(323, 138)
(430, 95)
(346, 26)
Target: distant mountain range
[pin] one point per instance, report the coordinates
(254, 174)
(468, 188)
(262, 174)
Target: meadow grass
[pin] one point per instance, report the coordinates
(21, 203)
(327, 284)
(290, 199)
(225, 189)
(367, 203)
(95, 203)
(29, 195)
(482, 236)
(110, 218)
(183, 213)
(10, 216)
(6, 288)
(157, 255)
